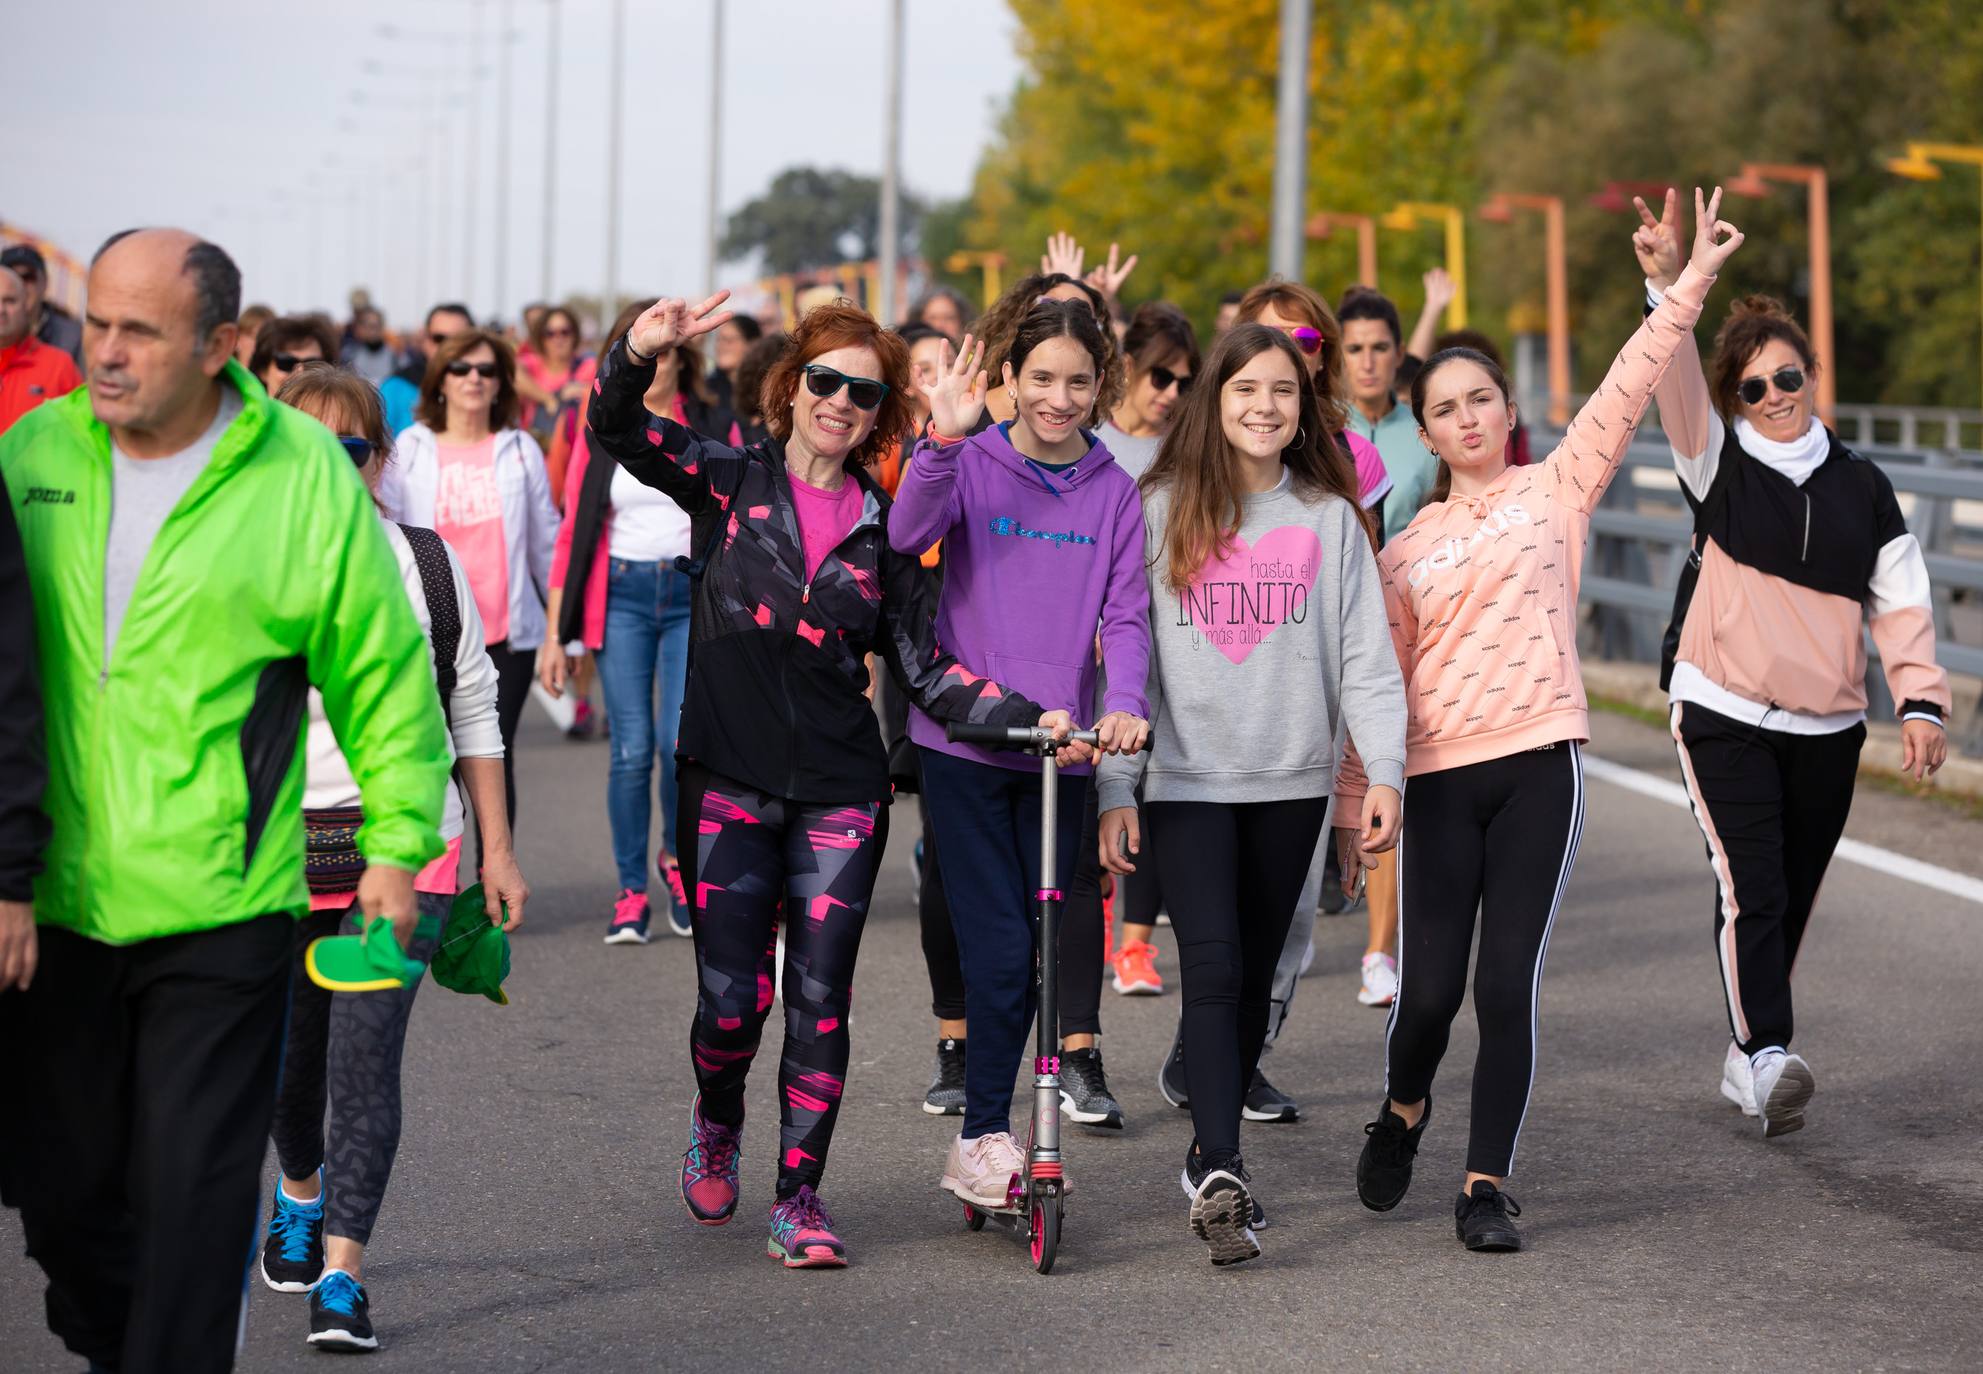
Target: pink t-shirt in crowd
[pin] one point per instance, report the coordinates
(468, 513)
(825, 518)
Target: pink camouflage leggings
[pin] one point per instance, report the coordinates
(756, 858)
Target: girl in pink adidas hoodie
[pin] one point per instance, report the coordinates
(1481, 590)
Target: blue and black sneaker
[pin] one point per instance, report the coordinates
(293, 1252)
(339, 1317)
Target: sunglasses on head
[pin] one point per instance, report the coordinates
(1789, 380)
(864, 392)
(359, 449)
(459, 368)
(1308, 340)
(289, 362)
(1163, 379)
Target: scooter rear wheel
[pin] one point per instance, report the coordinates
(1046, 1227)
(973, 1218)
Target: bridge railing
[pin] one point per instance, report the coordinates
(1641, 529)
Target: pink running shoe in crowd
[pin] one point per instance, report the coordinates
(709, 1169)
(802, 1233)
(629, 919)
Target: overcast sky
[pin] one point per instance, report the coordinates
(242, 121)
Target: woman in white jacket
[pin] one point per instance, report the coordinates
(467, 472)
(347, 1046)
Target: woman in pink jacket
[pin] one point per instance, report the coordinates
(1482, 593)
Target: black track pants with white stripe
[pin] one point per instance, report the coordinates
(1495, 839)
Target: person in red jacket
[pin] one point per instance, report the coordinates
(30, 371)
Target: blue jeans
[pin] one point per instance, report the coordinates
(647, 646)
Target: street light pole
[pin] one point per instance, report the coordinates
(891, 186)
(1325, 222)
(1406, 216)
(1922, 157)
(473, 169)
(1556, 276)
(1753, 181)
(609, 305)
(550, 152)
(502, 207)
(715, 147)
(1284, 253)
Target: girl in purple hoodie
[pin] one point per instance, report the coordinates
(1042, 543)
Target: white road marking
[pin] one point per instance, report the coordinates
(1852, 851)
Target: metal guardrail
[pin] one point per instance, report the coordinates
(1640, 533)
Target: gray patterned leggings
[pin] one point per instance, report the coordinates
(346, 1047)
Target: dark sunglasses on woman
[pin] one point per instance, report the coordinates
(1163, 379)
(359, 449)
(1789, 380)
(459, 368)
(289, 362)
(864, 392)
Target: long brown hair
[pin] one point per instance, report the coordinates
(1442, 485)
(1195, 463)
(433, 408)
(1295, 301)
(842, 324)
(1751, 323)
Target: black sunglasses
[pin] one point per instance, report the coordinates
(864, 392)
(289, 362)
(459, 368)
(1163, 379)
(359, 449)
(1789, 380)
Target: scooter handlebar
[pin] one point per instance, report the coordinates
(1023, 738)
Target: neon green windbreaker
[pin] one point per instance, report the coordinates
(175, 768)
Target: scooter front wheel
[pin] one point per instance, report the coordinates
(1046, 1226)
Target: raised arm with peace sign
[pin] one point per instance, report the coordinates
(669, 322)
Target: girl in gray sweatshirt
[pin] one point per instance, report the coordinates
(1268, 633)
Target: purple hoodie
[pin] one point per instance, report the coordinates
(1034, 561)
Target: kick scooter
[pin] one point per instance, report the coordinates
(1033, 1199)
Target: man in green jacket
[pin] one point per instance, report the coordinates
(200, 557)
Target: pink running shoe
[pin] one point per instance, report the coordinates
(709, 1169)
(802, 1233)
(629, 919)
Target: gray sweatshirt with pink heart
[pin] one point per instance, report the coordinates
(1256, 665)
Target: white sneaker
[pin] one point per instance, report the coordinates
(1783, 1084)
(985, 1172)
(1380, 981)
(1738, 1084)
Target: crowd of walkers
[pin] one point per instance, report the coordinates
(1303, 582)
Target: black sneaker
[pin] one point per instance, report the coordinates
(946, 1094)
(1222, 1207)
(340, 1314)
(1333, 901)
(293, 1250)
(1482, 1219)
(1265, 1102)
(1384, 1170)
(1084, 1090)
(1170, 1077)
(1194, 1171)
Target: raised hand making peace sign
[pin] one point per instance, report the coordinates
(957, 398)
(1715, 239)
(669, 322)
(1656, 242)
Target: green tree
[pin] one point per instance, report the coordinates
(811, 217)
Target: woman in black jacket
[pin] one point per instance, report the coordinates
(782, 767)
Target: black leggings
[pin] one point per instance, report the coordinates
(346, 1046)
(756, 858)
(1771, 806)
(1499, 839)
(1231, 873)
(515, 670)
(1080, 943)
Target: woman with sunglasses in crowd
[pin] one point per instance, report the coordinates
(466, 471)
(346, 1047)
(1482, 593)
(1042, 543)
(1161, 354)
(1797, 541)
(552, 376)
(286, 343)
(618, 544)
(783, 773)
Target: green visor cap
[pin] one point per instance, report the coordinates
(361, 963)
(474, 954)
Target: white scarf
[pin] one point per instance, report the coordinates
(1797, 459)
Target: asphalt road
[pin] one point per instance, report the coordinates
(533, 1222)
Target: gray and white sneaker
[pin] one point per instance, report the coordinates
(1221, 1210)
(1738, 1084)
(946, 1094)
(1084, 1090)
(1783, 1085)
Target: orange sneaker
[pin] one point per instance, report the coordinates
(1136, 970)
